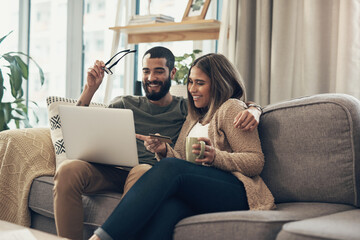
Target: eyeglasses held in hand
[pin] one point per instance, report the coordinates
(107, 69)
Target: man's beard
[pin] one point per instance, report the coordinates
(164, 89)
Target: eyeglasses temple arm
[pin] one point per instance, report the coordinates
(127, 50)
(132, 51)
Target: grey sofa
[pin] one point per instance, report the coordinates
(312, 154)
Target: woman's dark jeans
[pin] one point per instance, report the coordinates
(170, 191)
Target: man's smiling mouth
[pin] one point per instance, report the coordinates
(153, 84)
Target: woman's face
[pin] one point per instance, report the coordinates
(199, 87)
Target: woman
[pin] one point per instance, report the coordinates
(226, 179)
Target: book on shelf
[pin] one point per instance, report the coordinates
(148, 19)
(152, 16)
(148, 22)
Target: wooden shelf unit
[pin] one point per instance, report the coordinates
(172, 31)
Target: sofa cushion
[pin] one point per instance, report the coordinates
(312, 149)
(97, 207)
(41, 196)
(251, 224)
(343, 225)
(55, 124)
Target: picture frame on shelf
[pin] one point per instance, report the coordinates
(196, 10)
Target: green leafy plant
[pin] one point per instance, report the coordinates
(14, 70)
(182, 64)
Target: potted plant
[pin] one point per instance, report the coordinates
(182, 64)
(13, 70)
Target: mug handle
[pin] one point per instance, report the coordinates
(201, 155)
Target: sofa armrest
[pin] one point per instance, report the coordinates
(25, 154)
(35, 142)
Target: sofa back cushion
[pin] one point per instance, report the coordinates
(312, 149)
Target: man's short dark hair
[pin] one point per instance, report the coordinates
(162, 52)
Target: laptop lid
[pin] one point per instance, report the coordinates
(100, 135)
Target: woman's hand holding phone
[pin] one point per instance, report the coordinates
(154, 144)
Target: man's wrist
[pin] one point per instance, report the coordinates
(256, 106)
(90, 90)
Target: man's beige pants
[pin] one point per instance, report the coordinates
(74, 178)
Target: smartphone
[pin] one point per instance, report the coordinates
(161, 138)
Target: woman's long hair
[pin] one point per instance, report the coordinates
(225, 80)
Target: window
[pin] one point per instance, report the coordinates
(48, 21)
(98, 17)
(10, 14)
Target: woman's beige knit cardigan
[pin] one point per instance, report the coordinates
(237, 151)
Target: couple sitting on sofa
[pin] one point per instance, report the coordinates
(172, 189)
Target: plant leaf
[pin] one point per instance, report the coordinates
(42, 77)
(24, 120)
(36, 117)
(23, 67)
(18, 100)
(18, 79)
(1, 39)
(17, 123)
(18, 119)
(2, 117)
(20, 105)
(179, 59)
(13, 91)
(34, 103)
(15, 76)
(23, 108)
(7, 111)
(5, 127)
(41, 73)
(8, 57)
(183, 64)
(18, 69)
(15, 79)
(27, 123)
(21, 113)
(1, 87)
(20, 93)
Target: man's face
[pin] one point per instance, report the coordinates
(156, 78)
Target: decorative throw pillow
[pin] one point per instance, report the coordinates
(55, 124)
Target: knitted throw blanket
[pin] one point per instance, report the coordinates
(24, 155)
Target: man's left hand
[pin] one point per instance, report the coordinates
(248, 119)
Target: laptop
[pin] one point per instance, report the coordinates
(99, 135)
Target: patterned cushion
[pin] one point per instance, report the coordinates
(55, 124)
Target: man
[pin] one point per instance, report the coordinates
(158, 112)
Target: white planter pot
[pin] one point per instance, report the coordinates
(178, 90)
